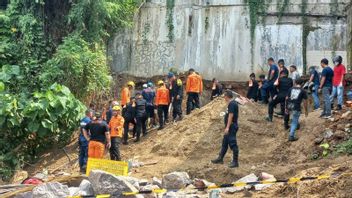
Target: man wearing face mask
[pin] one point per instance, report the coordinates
(337, 82)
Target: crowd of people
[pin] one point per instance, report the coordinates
(285, 87)
(140, 111)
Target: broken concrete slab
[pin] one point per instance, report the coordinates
(106, 183)
(156, 181)
(86, 188)
(50, 190)
(176, 180)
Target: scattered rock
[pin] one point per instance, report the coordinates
(253, 167)
(339, 134)
(74, 191)
(105, 183)
(149, 187)
(133, 181)
(19, 177)
(332, 119)
(25, 195)
(202, 184)
(143, 182)
(346, 114)
(215, 194)
(176, 180)
(156, 181)
(86, 188)
(50, 190)
(328, 133)
(318, 140)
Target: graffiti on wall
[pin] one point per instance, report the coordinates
(153, 56)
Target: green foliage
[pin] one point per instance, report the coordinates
(170, 4)
(282, 8)
(96, 20)
(79, 67)
(37, 108)
(255, 8)
(345, 147)
(30, 124)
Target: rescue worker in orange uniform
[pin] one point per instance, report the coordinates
(99, 136)
(116, 133)
(162, 101)
(194, 88)
(126, 94)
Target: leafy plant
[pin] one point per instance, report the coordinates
(170, 4)
(79, 67)
(345, 147)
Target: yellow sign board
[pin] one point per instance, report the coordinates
(114, 167)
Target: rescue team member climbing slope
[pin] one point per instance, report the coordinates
(194, 88)
(162, 102)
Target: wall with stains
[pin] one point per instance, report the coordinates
(213, 36)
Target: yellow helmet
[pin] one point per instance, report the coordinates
(116, 108)
(160, 82)
(131, 83)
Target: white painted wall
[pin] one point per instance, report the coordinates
(222, 50)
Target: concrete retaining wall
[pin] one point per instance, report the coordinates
(213, 36)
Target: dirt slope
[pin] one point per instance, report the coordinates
(190, 145)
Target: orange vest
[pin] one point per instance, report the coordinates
(125, 96)
(116, 126)
(194, 84)
(162, 96)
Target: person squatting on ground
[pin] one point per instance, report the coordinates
(284, 85)
(116, 131)
(268, 86)
(149, 95)
(230, 132)
(176, 94)
(129, 117)
(253, 88)
(326, 86)
(83, 143)
(141, 116)
(338, 82)
(216, 89)
(315, 79)
(293, 106)
(162, 101)
(194, 88)
(99, 136)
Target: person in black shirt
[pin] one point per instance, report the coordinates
(99, 135)
(216, 89)
(141, 116)
(293, 106)
(129, 116)
(285, 84)
(261, 82)
(231, 128)
(253, 88)
(176, 95)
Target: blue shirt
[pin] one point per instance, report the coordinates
(149, 95)
(329, 74)
(276, 73)
(316, 78)
(83, 141)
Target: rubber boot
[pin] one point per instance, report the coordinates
(217, 161)
(234, 163)
(339, 107)
(269, 118)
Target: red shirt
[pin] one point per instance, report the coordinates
(339, 72)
